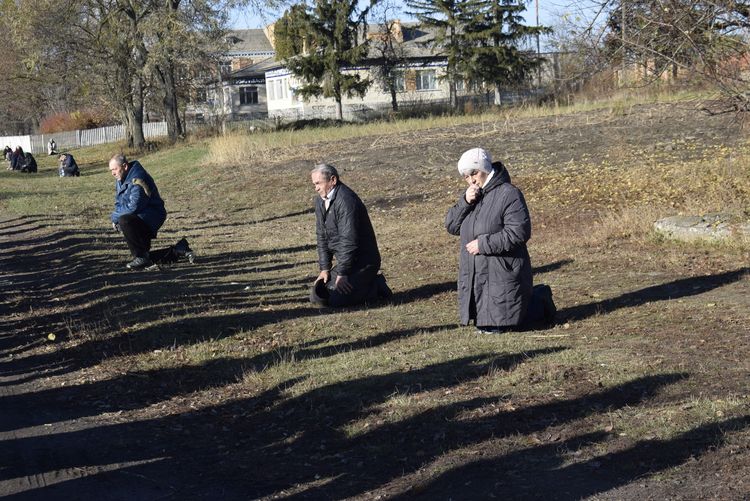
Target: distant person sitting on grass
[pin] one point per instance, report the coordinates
(51, 147)
(17, 158)
(344, 232)
(139, 213)
(29, 163)
(68, 165)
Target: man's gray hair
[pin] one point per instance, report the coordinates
(120, 159)
(328, 171)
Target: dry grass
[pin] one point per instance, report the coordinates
(652, 345)
(270, 147)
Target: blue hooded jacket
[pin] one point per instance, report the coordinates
(137, 194)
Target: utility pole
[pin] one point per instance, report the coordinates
(538, 49)
(624, 51)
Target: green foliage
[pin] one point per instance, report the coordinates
(333, 28)
(493, 36)
(447, 18)
(292, 33)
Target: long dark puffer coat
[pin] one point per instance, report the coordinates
(494, 287)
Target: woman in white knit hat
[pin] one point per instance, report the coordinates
(495, 285)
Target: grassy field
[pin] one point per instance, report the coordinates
(222, 374)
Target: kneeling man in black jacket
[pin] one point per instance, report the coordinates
(344, 231)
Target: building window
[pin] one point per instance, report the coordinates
(426, 80)
(200, 95)
(249, 95)
(399, 82)
(225, 67)
(269, 89)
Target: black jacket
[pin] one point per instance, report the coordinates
(345, 231)
(28, 164)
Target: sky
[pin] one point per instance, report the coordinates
(550, 12)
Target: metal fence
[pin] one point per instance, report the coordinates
(78, 138)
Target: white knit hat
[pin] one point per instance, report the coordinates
(475, 159)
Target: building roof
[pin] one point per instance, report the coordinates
(418, 41)
(255, 70)
(251, 42)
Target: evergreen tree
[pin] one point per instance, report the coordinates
(493, 52)
(333, 31)
(447, 18)
(292, 33)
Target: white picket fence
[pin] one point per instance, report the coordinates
(78, 138)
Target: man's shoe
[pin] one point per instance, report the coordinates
(384, 291)
(139, 263)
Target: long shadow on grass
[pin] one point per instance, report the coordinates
(139, 389)
(540, 472)
(676, 289)
(314, 416)
(79, 294)
(253, 221)
(332, 442)
(423, 292)
(556, 265)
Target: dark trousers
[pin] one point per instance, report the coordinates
(137, 235)
(363, 285)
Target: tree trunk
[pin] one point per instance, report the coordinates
(394, 102)
(134, 124)
(165, 75)
(128, 129)
(339, 110)
(453, 97)
(498, 95)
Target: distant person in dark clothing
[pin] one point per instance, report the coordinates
(68, 165)
(51, 147)
(6, 152)
(139, 213)
(344, 232)
(17, 159)
(29, 163)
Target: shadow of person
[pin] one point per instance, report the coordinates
(541, 472)
(138, 389)
(551, 266)
(423, 292)
(676, 289)
(396, 449)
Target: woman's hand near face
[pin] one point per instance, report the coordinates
(472, 193)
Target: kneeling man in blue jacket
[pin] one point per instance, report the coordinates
(139, 210)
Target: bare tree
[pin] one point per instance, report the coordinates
(699, 40)
(387, 49)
